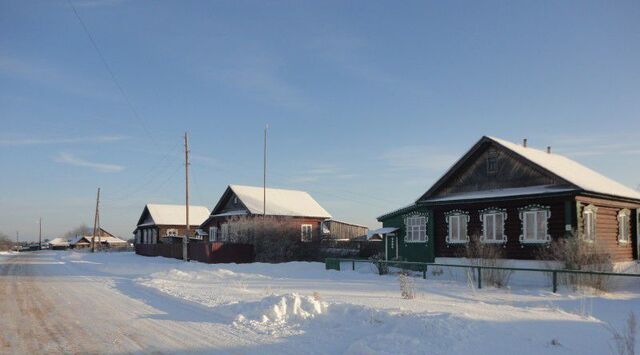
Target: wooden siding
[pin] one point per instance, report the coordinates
(341, 230)
(513, 225)
(511, 171)
(607, 226)
(295, 223)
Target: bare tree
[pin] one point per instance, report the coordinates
(5, 242)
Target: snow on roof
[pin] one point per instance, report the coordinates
(571, 171)
(280, 202)
(59, 242)
(175, 214)
(496, 193)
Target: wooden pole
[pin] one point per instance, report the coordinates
(95, 223)
(17, 241)
(264, 176)
(185, 240)
(40, 234)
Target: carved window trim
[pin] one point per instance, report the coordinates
(493, 212)
(460, 217)
(624, 226)
(537, 210)
(589, 223)
(413, 227)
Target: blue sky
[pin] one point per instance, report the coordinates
(368, 102)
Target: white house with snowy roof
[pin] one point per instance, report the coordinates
(162, 223)
(519, 198)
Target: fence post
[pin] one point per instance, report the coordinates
(555, 281)
(479, 277)
(353, 265)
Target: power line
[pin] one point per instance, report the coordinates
(111, 73)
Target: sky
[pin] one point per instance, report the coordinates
(367, 102)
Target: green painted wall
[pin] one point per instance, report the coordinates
(421, 252)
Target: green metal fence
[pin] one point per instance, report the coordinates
(334, 264)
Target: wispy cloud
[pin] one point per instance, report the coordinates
(71, 159)
(320, 172)
(577, 146)
(262, 77)
(47, 75)
(96, 3)
(53, 141)
(419, 158)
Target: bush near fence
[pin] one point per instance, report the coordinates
(211, 253)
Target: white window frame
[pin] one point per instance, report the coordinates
(172, 232)
(589, 223)
(224, 232)
(306, 232)
(624, 226)
(213, 234)
(493, 213)
(457, 217)
(416, 228)
(537, 211)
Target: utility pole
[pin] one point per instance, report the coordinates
(185, 240)
(264, 176)
(40, 234)
(17, 241)
(95, 223)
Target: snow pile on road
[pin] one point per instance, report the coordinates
(277, 315)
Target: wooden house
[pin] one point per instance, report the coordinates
(297, 209)
(161, 223)
(103, 237)
(518, 197)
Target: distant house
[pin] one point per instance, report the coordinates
(104, 238)
(517, 197)
(161, 223)
(59, 244)
(297, 209)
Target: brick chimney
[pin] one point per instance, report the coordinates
(524, 142)
(548, 149)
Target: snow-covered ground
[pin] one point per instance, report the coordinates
(302, 308)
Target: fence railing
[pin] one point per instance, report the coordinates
(334, 264)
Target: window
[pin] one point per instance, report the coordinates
(172, 232)
(235, 200)
(492, 162)
(589, 223)
(306, 232)
(213, 234)
(224, 231)
(457, 221)
(416, 226)
(493, 225)
(624, 226)
(535, 224)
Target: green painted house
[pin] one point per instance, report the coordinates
(517, 197)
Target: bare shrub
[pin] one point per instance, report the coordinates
(624, 342)
(576, 254)
(5, 242)
(273, 238)
(407, 287)
(378, 261)
(487, 254)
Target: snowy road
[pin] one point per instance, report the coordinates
(48, 306)
(114, 303)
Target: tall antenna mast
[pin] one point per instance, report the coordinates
(264, 176)
(40, 234)
(95, 223)
(185, 240)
